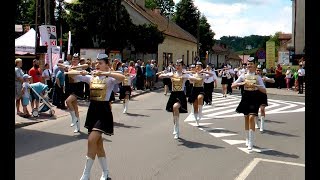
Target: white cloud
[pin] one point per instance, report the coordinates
(249, 17)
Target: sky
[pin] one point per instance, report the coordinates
(246, 17)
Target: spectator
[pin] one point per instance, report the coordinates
(18, 83)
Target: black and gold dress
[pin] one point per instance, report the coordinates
(177, 93)
(198, 87)
(250, 101)
(99, 116)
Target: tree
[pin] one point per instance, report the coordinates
(187, 16)
(206, 36)
(104, 22)
(25, 12)
(147, 38)
(166, 6)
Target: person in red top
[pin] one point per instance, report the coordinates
(35, 72)
(278, 76)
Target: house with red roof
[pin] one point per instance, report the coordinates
(178, 43)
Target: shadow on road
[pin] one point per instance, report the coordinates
(133, 114)
(270, 121)
(32, 141)
(274, 133)
(279, 154)
(117, 125)
(191, 144)
(220, 131)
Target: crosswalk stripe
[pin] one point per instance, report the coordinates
(217, 135)
(233, 142)
(219, 108)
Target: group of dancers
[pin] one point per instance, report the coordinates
(103, 80)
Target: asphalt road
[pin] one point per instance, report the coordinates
(143, 147)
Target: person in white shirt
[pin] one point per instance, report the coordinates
(288, 77)
(301, 74)
(208, 85)
(47, 77)
(250, 101)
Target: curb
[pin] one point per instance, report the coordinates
(27, 123)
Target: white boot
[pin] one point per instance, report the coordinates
(247, 138)
(196, 118)
(77, 123)
(251, 137)
(262, 124)
(192, 109)
(256, 122)
(200, 112)
(176, 126)
(125, 107)
(87, 169)
(73, 117)
(104, 167)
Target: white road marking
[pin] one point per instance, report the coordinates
(248, 169)
(217, 135)
(245, 149)
(233, 142)
(245, 173)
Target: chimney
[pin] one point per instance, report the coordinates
(141, 3)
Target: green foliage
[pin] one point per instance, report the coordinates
(25, 12)
(151, 4)
(187, 16)
(240, 43)
(147, 38)
(206, 36)
(166, 6)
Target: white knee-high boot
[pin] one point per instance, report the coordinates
(73, 117)
(87, 169)
(77, 123)
(125, 106)
(176, 127)
(262, 124)
(192, 109)
(104, 167)
(200, 112)
(256, 122)
(251, 138)
(247, 138)
(196, 118)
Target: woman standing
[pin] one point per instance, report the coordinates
(263, 98)
(177, 102)
(197, 94)
(225, 76)
(288, 77)
(250, 103)
(75, 89)
(99, 117)
(125, 89)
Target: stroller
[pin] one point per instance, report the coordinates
(44, 104)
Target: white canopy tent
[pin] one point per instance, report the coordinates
(26, 43)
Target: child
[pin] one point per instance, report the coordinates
(25, 95)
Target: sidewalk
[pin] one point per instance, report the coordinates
(83, 106)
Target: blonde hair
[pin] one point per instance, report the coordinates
(18, 60)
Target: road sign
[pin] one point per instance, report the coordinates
(261, 54)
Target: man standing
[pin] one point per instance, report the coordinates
(278, 76)
(35, 72)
